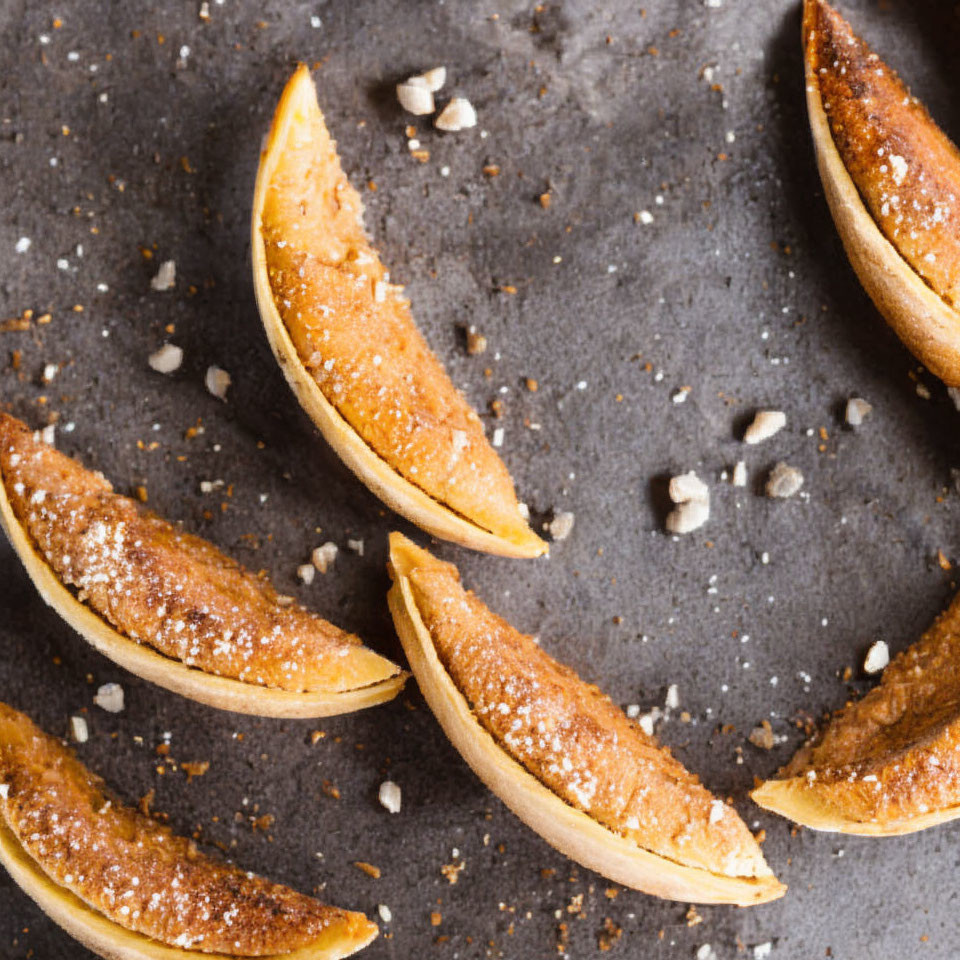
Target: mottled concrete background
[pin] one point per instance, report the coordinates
(130, 135)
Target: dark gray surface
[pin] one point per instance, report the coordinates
(702, 293)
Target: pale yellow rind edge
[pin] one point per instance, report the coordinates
(385, 482)
(927, 325)
(222, 692)
(113, 942)
(797, 800)
(570, 831)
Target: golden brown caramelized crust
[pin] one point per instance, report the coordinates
(906, 170)
(167, 589)
(574, 739)
(354, 332)
(136, 872)
(895, 754)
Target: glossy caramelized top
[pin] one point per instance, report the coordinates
(167, 589)
(136, 872)
(354, 332)
(906, 169)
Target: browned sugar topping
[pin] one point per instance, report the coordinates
(136, 872)
(574, 739)
(896, 753)
(906, 169)
(168, 589)
(354, 332)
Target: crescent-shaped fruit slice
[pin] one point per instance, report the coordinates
(890, 763)
(128, 888)
(169, 606)
(892, 180)
(561, 755)
(346, 341)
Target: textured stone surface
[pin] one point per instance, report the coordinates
(161, 155)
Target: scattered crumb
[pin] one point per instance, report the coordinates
(167, 359)
(368, 868)
(451, 871)
(386, 915)
(857, 410)
(878, 656)
(166, 277)
(765, 424)
(194, 768)
(306, 572)
(356, 546)
(324, 556)
(954, 394)
(672, 700)
(218, 382)
(390, 796)
(609, 934)
(476, 341)
(739, 477)
(762, 950)
(78, 730)
(458, 114)
(561, 526)
(784, 481)
(110, 698)
(762, 736)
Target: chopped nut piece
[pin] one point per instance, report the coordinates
(688, 486)
(561, 526)
(692, 497)
(415, 96)
(306, 572)
(167, 359)
(739, 478)
(877, 658)
(857, 410)
(784, 481)
(765, 424)
(457, 115)
(435, 78)
(324, 556)
(78, 730)
(110, 698)
(687, 517)
(218, 382)
(386, 915)
(390, 796)
(356, 546)
(672, 700)
(166, 278)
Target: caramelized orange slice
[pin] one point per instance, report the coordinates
(169, 606)
(890, 763)
(892, 180)
(126, 887)
(346, 341)
(561, 755)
